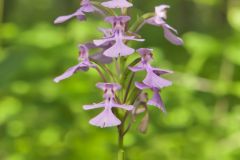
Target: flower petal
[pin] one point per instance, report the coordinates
(136, 68)
(79, 14)
(159, 71)
(94, 106)
(170, 36)
(155, 81)
(117, 4)
(103, 86)
(157, 101)
(141, 86)
(62, 19)
(132, 38)
(118, 49)
(102, 41)
(71, 71)
(123, 106)
(105, 119)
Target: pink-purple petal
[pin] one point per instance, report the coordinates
(94, 106)
(141, 86)
(159, 71)
(154, 81)
(157, 100)
(102, 41)
(62, 19)
(103, 86)
(118, 49)
(105, 119)
(123, 106)
(70, 72)
(136, 68)
(170, 36)
(117, 4)
(79, 14)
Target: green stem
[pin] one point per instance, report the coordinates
(128, 87)
(121, 152)
(101, 74)
(136, 26)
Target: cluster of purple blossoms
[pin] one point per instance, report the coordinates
(114, 48)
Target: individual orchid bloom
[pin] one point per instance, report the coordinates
(159, 20)
(118, 48)
(117, 4)
(156, 100)
(152, 78)
(83, 65)
(86, 7)
(106, 118)
(118, 36)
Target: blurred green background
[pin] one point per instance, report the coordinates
(41, 120)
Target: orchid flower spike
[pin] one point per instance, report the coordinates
(83, 65)
(106, 118)
(159, 20)
(117, 4)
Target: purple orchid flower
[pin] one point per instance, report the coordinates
(106, 118)
(86, 7)
(83, 65)
(98, 57)
(118, 36)
(152, 78)
(159, 20)
(117, 4)
(156, 99)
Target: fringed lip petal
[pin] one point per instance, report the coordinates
(105, 119)
(118, 49)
